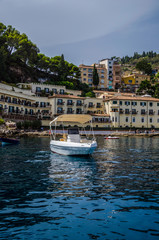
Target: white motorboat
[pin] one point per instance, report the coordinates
(111, 137)
(72, 143)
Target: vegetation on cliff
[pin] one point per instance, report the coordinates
(21, 61)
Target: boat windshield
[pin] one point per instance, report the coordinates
(73, 131)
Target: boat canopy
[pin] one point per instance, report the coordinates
(77, 118)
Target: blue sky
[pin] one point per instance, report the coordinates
(86, 31)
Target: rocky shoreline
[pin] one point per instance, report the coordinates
(22, 133)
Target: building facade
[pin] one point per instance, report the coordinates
(113, 73)
(87, 75)
(134, 111)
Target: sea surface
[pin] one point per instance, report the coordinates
(112, 195)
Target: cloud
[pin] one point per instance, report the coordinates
(51, 22)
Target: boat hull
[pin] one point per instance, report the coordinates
(6, 141)
(71, 148)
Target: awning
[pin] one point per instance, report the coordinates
(76, 118)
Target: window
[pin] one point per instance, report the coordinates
(38, 89)
(157, 104)
(90, 80)
(142, 119)
(134, 111)
(130, 81)
(114, 102)
(112, 119)
(143, 111)
(116, 119)
(90, 104)
(98, 105)
(89, 74)
(84, 79)
(59, 110)
(59, 101)
(151, 112)
(127, 119)
(69, 110)
(134, 103)
(142, 104)
(121, 102)
(133, 119)
(102, 81)
(84, 69)
(42, 104)
(127, 111)
(150, 104)
(158, 120)
(79, 103)
(127, 103)
(62, 91)
(47, 90)
(150, 120)
(54, 90)
(84, 74)
(69, 102)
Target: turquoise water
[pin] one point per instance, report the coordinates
(112, 195)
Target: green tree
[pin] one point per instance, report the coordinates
(95, 77)
(62, 69)
(143, 65)
(90, 94)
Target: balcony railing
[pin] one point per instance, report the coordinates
(60, 103)
(91, 106)
(70, 103)
(134, 112)
(151, 113)
(79, 104)
(127, 112)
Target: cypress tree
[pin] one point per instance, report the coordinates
(95, 77)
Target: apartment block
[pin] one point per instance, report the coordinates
(113, 73)
(87, 75)
(133, 111)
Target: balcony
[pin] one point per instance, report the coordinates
(134, 112)
(70, 103)
(91, 105)
(127, 112)
(70, 112)
(151, 112)
(98, 106)
(79, 112)
(79, 104)
(60, 103)
(121, 111)
(60, 111)
(143, 112)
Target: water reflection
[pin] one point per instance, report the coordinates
(49, 196)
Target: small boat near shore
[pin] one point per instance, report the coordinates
(5, 141)
(111, 137)
(73, 143)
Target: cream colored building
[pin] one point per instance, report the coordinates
(134, 111)
(40, 89)
(18, 106)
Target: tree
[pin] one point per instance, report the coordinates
(62, 69)
(143, 65)
(95, 77)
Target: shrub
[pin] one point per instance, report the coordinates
(1, 121)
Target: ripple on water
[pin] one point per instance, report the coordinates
(111, 195)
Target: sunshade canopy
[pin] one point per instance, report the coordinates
(77, 118)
